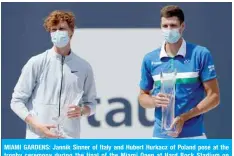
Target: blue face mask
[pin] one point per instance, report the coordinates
(60, 38)
(171, 35)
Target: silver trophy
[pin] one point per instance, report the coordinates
(168, 80)
(61, 119)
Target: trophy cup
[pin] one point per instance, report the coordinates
(168, 80)
(60, 120)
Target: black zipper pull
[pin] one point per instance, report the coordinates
(63, 58)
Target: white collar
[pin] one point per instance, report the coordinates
(182, 50)
(52, 53)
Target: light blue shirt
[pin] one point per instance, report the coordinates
(194, 66)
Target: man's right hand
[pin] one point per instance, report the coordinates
(160, 100)
(45, 130)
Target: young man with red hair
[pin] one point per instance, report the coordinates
(52, 83)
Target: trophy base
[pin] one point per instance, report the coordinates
(167, 132)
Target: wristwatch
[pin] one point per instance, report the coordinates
(81, 110)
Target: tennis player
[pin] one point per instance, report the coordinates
(197, 90)
(53, 82)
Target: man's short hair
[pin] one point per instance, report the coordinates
(172, 10)
(56, 16)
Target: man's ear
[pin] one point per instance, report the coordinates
(183, 26)
(72, 33)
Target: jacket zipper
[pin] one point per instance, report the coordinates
(61, 84)
(61, 87)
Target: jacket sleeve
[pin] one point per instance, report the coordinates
(23, 89)
(89, 97)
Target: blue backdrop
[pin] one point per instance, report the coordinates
(23, 35)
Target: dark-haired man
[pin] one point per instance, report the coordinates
(197, 89)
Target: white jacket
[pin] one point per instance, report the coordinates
(47, 84)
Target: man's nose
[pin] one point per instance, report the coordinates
(169, 27)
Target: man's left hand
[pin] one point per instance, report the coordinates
(178, 123)
(74, 111)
